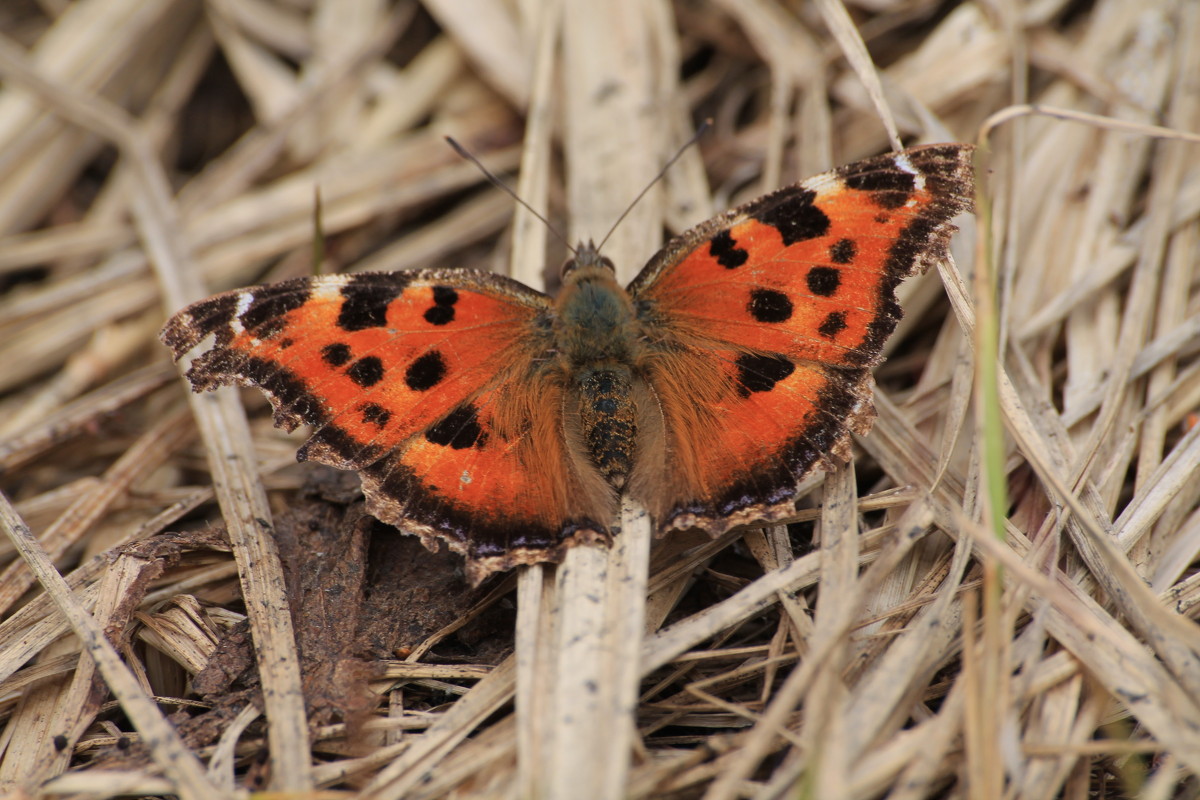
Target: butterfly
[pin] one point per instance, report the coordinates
(508, 424)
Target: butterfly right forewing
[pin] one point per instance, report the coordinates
(763, 324)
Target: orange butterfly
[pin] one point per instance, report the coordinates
(507, 423)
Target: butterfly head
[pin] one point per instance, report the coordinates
(586, 260)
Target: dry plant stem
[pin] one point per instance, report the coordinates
(78, 705)
(1173, 287)
(758, 741)
(237, 168)
(490, 36)
(1070, 115)
(920, 759)
(1176, 641)
(898, 678)
(107, 783)
(850, 41)
(221, 764)
(222, 424)
(147, 454)
(38, 624)
(985, 673)
(533, 637)
(601, 592)
(535, 620)
(825, 733)
(1106, 560)
(415, 760)
(93, 49)
(166, 748)
(1118, 659)
(672, 641)
(1169, 634)
(975, 715)
(1081, 626)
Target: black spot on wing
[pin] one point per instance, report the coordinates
(824, 281)
(833, 324)
(793, 214)
(725, 250)
(365, 301)
(760, 373)
(376, 414)
(843, 251)
(769, 305)
(336, 354)
(442, 310)
(367, 371)
(458, 430)
(425, 372)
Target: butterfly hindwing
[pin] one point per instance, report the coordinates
(783, 305)
(433, 384)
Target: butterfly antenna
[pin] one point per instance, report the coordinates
(318, 242)
(700, 131)
(504, 187)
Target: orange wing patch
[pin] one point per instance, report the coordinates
(421, 380)
(795, 294)
(783, 300)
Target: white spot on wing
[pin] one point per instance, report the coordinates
(243, 305)
(328, 290)
(902, 161)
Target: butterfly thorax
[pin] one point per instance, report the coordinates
(595, 320)
(596, 334)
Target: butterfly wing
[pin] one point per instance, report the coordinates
(434, 384)
(762, 324)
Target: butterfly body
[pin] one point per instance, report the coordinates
(482, 413)
(598, 338)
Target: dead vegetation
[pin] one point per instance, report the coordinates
(994, 600)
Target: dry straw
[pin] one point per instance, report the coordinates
(999, 596)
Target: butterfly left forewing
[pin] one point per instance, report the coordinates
(783, 305)
(435, 384)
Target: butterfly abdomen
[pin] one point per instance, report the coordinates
(608, 419)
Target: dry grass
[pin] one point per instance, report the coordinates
(1000, 597)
